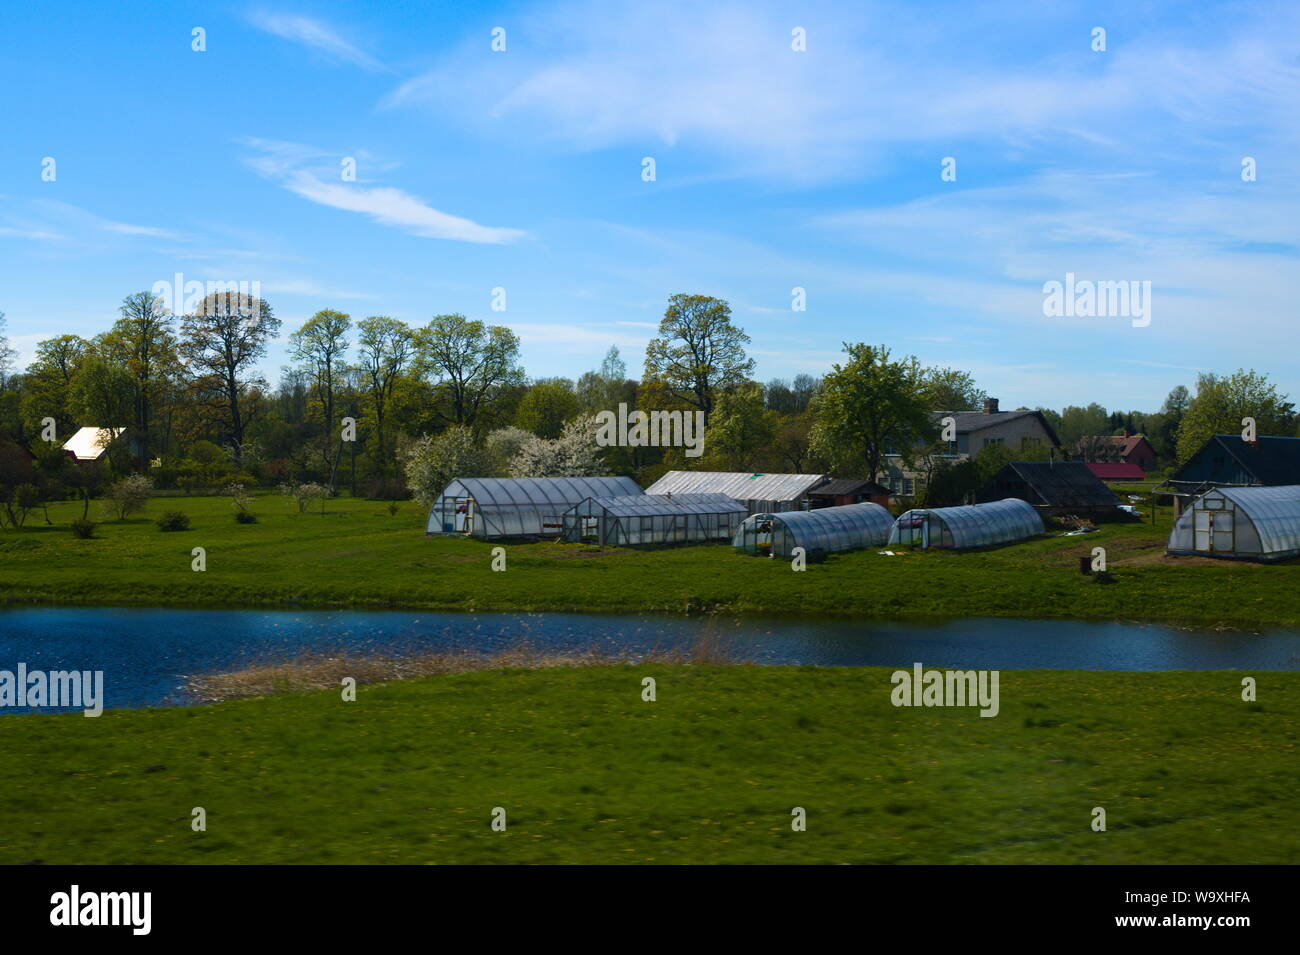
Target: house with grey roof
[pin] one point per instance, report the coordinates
(975, 431)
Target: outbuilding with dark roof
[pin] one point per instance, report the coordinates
(844, 491)
(1053, 487)
(1229, 460)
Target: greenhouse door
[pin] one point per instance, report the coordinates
(1215, 531)
(464, 515)
(1203, 522)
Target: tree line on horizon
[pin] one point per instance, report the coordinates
(452, 397)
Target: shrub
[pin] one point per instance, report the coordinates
(304, 494)
(129, 495)
(173, 521)
(243, 517)
(83, 527)
(393, 507)
(241, 497)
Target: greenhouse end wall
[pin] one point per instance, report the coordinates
(1240, 523)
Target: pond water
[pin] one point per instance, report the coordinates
(145, 653)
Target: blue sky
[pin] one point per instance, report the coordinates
(775, 169)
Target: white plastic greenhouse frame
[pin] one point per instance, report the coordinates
(653, 519)
(490, 508)
(822, 531)
(971, 525)
(1240, 523)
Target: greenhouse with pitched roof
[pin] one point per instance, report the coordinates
(627, 520)
(972, 525)
(1240, 523)
(819, 532)
(489, 508)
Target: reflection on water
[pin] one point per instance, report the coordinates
(144, 653)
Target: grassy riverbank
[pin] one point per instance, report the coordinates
(356, 554)
(708, 773)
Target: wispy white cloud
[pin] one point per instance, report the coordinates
(393, 207)
(722, 80)
(48, 220)
(580, 336)
(317, 36)
(308, 287)
(301, 169)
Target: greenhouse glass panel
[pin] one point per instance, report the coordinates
(822, 531)
(1242, 523)
(623, 520)
(516, 507)
(974, 525)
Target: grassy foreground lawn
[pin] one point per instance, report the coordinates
(357, 554)
(709, 773)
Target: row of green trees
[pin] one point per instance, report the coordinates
(453, 394)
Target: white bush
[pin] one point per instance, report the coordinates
(434, 461)
(573, 454)
(129, 495)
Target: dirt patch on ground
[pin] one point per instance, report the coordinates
(1117, 551)
(1163, 559)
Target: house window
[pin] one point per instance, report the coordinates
(988, 441)
(908, 487)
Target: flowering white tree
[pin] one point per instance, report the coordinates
(434, 461)
(502, 446)
(129, 495)
(573, 454)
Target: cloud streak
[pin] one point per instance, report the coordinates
(284, 162)
(316, 36)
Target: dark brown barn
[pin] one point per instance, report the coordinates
(848, 491)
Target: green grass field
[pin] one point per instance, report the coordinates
(709, 773)
(357, 554)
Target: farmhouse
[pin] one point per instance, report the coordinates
(653, 519)
(1052, 487)
(975, 431)
(821, 531)
(90, 444)
(1241, 523)
(1133, 449)
(1228, 460)
(758, 492)
(490, 508)
(971, 525)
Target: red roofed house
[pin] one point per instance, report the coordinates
(1118, 449)
(1116, 471)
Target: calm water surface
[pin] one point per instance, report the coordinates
(145, 653)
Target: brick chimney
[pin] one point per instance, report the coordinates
(990, 406)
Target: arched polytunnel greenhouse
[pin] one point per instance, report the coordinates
(972, 525)
(516, 507)
(653, 519)
(821, 531)
(1243, 523)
